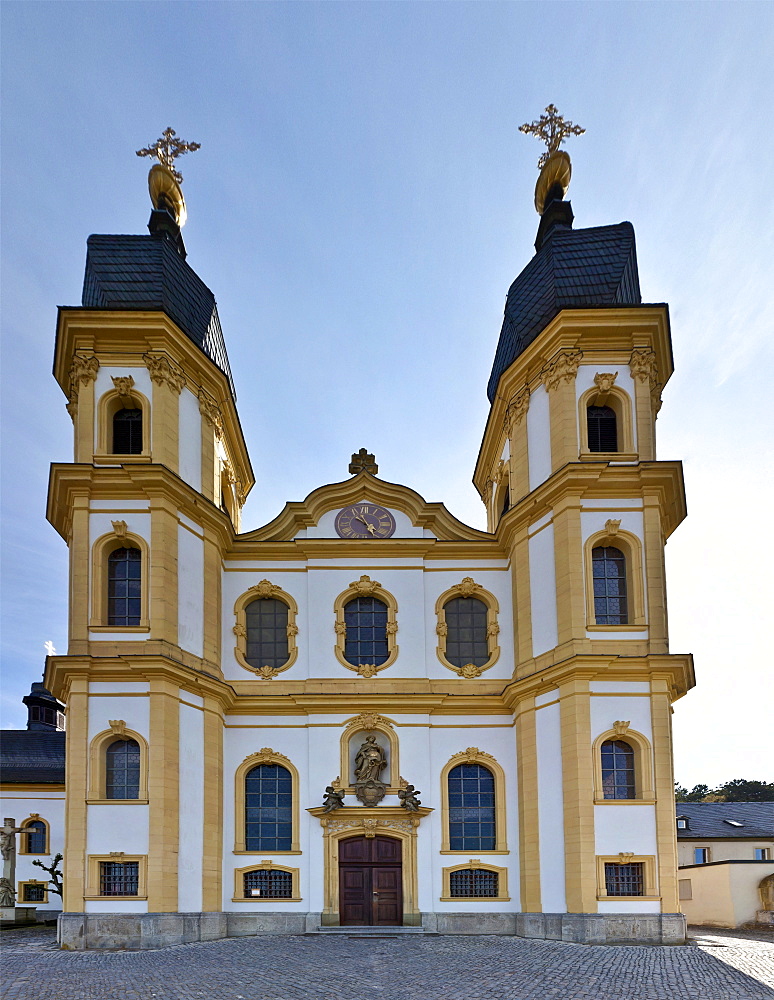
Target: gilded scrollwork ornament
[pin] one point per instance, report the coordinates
(561, 369)
(163, 371)
(517, 409)
(209, 409)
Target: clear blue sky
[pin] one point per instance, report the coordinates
(360, 204)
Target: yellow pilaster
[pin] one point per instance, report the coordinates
(519, 458)
(568, 562)
(212, 855)
(578, 789)
(564, 423)
(212, 598)
(522, 604)
(163, 570)
(163, 795)
(645, 419)
(84, 421)
(165, 425)
(77, 756)
(80, 561)
(666, 833)
(529, 836)
(655, 576)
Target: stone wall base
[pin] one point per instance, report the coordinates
(138, 931)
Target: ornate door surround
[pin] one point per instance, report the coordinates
(391, 821)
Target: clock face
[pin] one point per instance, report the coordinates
(365, 520)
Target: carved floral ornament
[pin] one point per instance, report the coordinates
(123, 385)
(612, 525)
(561, 369)
(368, 721)
(517, 409)
(119, 529)
(83, 370)
(164, 372)
(625, 857)
(117, 727)
(604, 381)
(264, 756)
(644, 368)
(209, 409)
(469, 755)
(620, 728)
(369, 825)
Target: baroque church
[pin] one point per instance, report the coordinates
(365, 712)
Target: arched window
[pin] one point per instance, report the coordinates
(609, 575)
(618, 773)
(266, 621)
(122, 770)
(471, 808)
(602, 428)
(124, 587)
(34, 837)
(365, 619)
(467, 641)
(127, 432)
(506, 505)
(268, 808)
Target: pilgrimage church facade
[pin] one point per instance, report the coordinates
(365, 712)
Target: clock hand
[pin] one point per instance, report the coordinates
(371, 528)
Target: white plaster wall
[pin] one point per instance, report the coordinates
(505, 454)
(119, 506)
(117, 828)
(550, 809)
(538, 437)
(626, 828)
(50, 806)
(190, 590)
(190, 438)
(191, 788)
(326, 526)
(607, 709)
(134, 711)
(119, 687)
(104, 383)
(542, 582)
(624, 381)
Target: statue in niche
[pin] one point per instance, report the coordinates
(370, 761)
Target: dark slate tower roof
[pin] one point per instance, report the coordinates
(573, 269)
(32, 757)
(149, 273)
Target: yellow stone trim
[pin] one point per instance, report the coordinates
(76, 763)
(655, 576)
(212, 841)
(264, 756)
(570, 612)
(97, 773)
(108, 404)
(620, 402)
(643, 766)
(20, 887)
(267, 865)
(631, 546)
(386, 821)
(23, 841)
(164, 607)
(624, 858)
(473, 866)
(578, 795)
(666, 828)
(117, 857)
(529, 831)
(368, 722)
(366, 587)
(468, 588)
(164, 794)
(100, 551)
(259, 591)
(475, 756)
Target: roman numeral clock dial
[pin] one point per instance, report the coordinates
(364, 520)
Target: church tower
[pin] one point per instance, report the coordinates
(253, 715)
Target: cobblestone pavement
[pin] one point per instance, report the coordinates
(714, 966)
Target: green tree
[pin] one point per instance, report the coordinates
(740, 790)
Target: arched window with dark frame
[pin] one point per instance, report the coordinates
(471, 808)
(35, 837)
(506, 501)
(268, 808)
(618, 775)
(466, 631)
(127, 431)
(365, 619)
(124, 605)
(602, 427)
(610, 596)
(122, 770)
(266, 621)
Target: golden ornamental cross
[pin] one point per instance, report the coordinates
(551, 129)
(167, 148)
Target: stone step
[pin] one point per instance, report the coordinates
(372, 931)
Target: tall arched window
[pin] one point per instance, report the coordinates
(365, 619)
(122, 770)
(609, 575)
(127, 432)
(34, 837)
(602, 428)
(266, 621)
(471, 808)
(124, 587)
(618, 775)
(268, 808)
(467, 641)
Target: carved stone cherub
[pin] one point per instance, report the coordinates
(409, 798)
(333, 799)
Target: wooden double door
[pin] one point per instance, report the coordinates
(370, 882)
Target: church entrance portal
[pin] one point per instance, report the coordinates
(370, 882)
